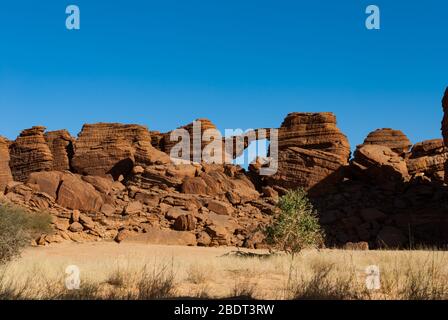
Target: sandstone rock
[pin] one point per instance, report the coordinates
(174, 212)
(203, 239)
(379, 164)
(195, 138)
(112, 148)
(61, 146)
(314, 131)
(270, 192)
(5, 171)
(108, 209)
(103, 185)
(310, 169)
(47, 182)
(445, 117)
(76, 227)
(133, 207)
(216, 182)
(122, 235)
(394, 139)
(74, 193)
(220, 207)
(428, 158)
(185, 223)
(76, 215)
(312, 152)
(219, 235)
(30, 153)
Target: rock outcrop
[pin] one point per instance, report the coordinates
(428, 159)
(394, 139)
(61, 146)
(5, 171)
(119, 183)
(312, 152)
(30, 153)
(112, 148)
(445, 126)
(380, 165)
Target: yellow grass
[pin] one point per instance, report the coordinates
(139, 271)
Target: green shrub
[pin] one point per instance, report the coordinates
(297, 226)
(17, 228)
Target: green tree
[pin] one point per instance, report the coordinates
(297, 225)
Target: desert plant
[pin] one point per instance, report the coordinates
(155, 284)
(297, 225)
(17, 228)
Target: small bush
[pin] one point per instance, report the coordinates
(156, 284)
(297, 226)
(17, 228)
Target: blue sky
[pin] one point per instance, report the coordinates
(241, 63)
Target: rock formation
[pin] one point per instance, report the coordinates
(30, 153)
(5, 171)
(380, 165)
(312, 152)
(394, 139)
(61, 146)
(118, 182)
(428, 159)
(112, 148)
(445, 126)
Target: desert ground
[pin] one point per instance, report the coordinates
(118, 271)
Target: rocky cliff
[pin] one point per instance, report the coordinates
(117, 181)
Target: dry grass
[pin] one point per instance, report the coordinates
(137, 271)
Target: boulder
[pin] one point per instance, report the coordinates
(379, 165)
(30, 153)
(61, 146)
(5, 171)
(47, 182)
(396, 140)
(220, 207)
(185, 223)
(428, 158)
(69, 190)
(217, 182)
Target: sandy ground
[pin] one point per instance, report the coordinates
(208, 271)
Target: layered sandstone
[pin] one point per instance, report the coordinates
(393, 139)
(428, 158)
(30, 153)
(312, 152)
(5, 171)
(195, 133)
(112, 148)
(61, 146)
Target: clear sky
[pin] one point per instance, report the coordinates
(241, 63)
